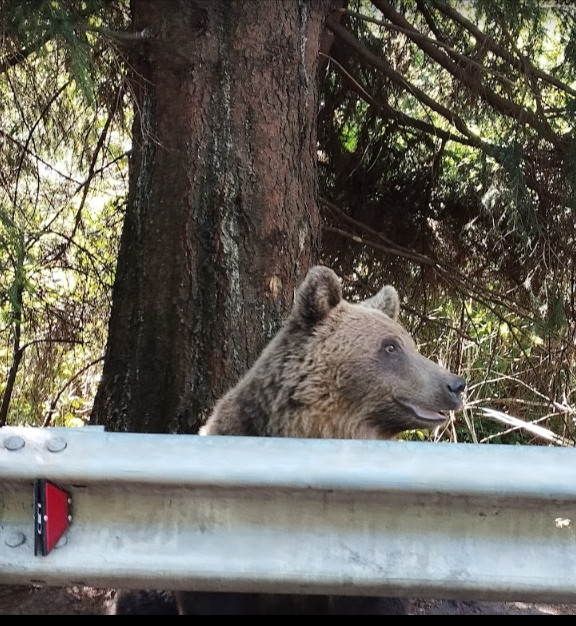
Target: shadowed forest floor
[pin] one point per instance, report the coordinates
(22, 600)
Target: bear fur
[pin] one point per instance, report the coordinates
(202, 603)
(335, 370)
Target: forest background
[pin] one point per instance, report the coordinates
(443, 161)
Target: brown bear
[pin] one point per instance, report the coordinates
(335, 370)
(338, 370)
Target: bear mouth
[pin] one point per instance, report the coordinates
(423, 414)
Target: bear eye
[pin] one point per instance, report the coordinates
(390, 347)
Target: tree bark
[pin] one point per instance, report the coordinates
(222, 221)
(18, 350)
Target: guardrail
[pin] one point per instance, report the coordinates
(300, 516)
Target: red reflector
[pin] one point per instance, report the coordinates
(51, 515)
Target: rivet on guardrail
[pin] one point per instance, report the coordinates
(14, 443)
(56, 444)
(15, 539)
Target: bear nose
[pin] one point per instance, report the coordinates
(457, 385)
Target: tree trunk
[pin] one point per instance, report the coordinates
(222, 221)
(17, 350)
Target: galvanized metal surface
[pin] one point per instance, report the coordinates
(315, 516)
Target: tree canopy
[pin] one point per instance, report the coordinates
(447, 165)
(448, 160)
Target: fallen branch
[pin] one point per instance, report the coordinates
(538, 431)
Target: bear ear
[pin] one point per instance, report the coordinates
(317, 296)
(386, 300)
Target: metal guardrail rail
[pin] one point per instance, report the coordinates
(282, 515)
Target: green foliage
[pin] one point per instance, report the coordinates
(61, 207)
(65, 26)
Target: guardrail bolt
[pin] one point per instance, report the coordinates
(56, 444)
(14, 443)
(15, 539)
